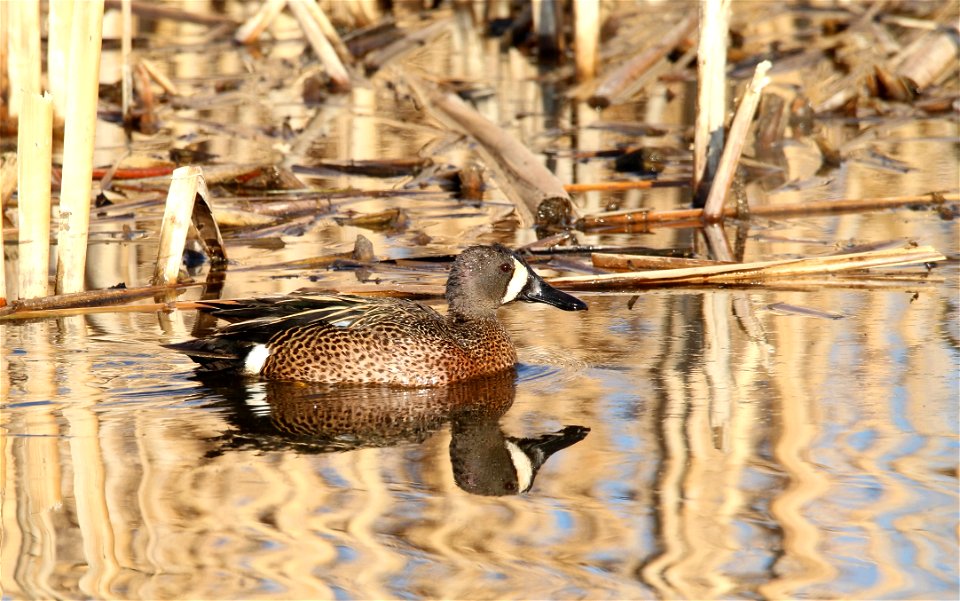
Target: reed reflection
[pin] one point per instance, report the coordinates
(320, 418)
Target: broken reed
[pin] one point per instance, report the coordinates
(185, 184)
(711, 95)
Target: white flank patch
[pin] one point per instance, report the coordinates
(523, 465)
(517, 282)
(255, 359)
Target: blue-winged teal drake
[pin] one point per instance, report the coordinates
(357, 340)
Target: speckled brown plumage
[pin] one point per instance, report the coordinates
(395, 342)
(348, 339)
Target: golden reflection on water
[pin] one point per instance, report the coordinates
(718, 464)
(732, 452)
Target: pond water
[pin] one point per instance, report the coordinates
(699, 443)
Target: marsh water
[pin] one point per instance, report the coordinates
(709, 443)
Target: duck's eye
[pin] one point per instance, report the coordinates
(506, 267)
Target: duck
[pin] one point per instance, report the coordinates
(346, 339)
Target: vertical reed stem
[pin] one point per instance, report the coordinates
(126, 69)
(25, 59)
(711, 95)
(60, 17)
(34, 148)
(83, 80)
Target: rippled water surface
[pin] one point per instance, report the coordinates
(697, 443)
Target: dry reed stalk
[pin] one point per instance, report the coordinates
(624, 262)
(255, 25)
(126, 69)
(646, 216)
(376, 59)
(25, 56)
(586, 23)
(185, 184)
(713, 209)
(321, 46)
(615, 84)
(754, 273)
(84, 302)
(711, 95)
(924, 60)
(533, 189)
(329, 31)
(155, 10)
(3, 258)
(162, 80)
(83, 80)
(34, 148)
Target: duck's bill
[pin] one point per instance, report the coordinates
(538, 291)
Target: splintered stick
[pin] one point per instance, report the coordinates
(34, 147)
(727, 167)
(83, 80)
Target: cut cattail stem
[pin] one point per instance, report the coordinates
(83, 81)
(186, 183)
(34, 148)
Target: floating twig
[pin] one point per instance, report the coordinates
(625, 262)
(53, 306)
(753, 273)
(642, 184)
(647, 216)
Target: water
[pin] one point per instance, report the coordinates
(716, 448)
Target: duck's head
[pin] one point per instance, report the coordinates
(484, 277)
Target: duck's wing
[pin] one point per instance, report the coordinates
(266, 316)
(290, 311)
(254, 322)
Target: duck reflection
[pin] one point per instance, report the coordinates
(319, 418)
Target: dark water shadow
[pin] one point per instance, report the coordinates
(319, 418)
